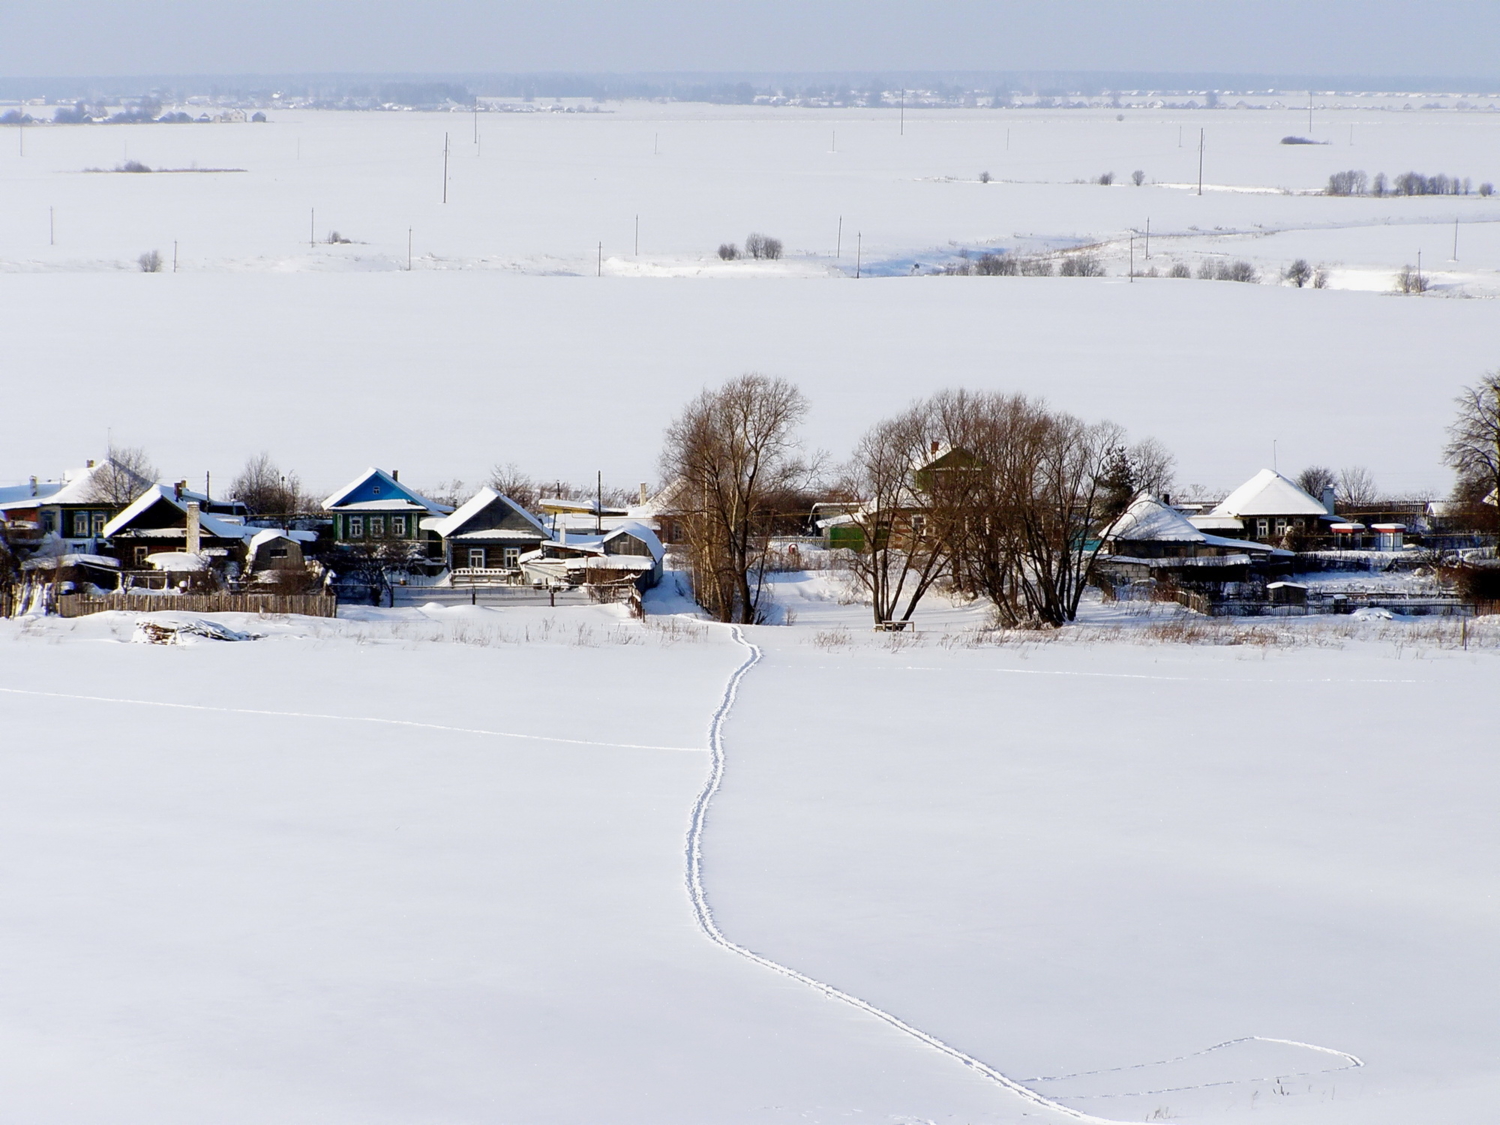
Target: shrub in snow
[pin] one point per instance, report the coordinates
(1138, 177)
(133, 166)
(1410, 281)
(1320, 278)
(150, 262)
(1036, 267)
(728, 251)
(1179, 269)
(1486, 189)
(1082, 265)
(1106, 179)
(984, 177)
(763, 246)
(1299, 273)
(996, 265)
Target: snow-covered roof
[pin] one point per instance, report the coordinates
(641, 532)
(76, 487)
(667, 500)
(376, 486)
(1149, 520)
(453, 524)
(611, 562)
(177, 561)
(1268, 493)
(71, 559)
(271, 534)
(498, 534)
(218, 526)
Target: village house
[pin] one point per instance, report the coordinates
(1152, 539)
(630, 553)
(1269, 508)
(69, 509)
(172, 531)
(376, 509)
(483, 541)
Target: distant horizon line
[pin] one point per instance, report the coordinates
(594, 82)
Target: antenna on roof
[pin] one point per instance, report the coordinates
(1274, 468)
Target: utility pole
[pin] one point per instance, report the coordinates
(476, 119)
(1455, 241)
(1200, 161)
(859, 250)
(1132, 259)
(312, 226)
(599, 503)
(1007, 140)
(838, 246)
(174, 255)
(599, 271)
(1419, 271)
(1148, 239)
(655, 143)
(834, 146)
(445, 167)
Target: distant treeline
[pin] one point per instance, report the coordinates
(1408, 183)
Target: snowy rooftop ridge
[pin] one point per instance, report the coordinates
(477, 503)
(1148, 519)
(380, 487)
(1268, 493)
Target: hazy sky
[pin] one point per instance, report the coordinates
(1332, 37)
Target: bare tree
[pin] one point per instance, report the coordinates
(762, 246)
(1473, 450)
(903, 549)
(266, 490)
(124, 475)
(1020, 511)
(1138, 177)
(509, 480)
(1154, 466)
(1356, 487)
(1315, 478)
(734, 449)
(1299, 273)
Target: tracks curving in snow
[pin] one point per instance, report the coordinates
(704, 913)
(349, 719)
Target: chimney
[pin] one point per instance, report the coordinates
(644, 497)
(395, 474)
(91, 462)
(935, 448)
(562, 534)
(1328, 497)
(33, 486)
(177, 490)
(194, 530)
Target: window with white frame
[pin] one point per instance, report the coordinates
(80, 523)
(512, 557)
(1281, 527)
(377, 527)
(476, 558)
(99, 522)
(398, 526)
(356, 527)
(1262, 528)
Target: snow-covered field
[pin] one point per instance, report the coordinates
(427, 865)
(332, 356)
(430, 865)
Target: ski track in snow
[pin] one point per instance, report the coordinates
(351, 719)
(705, 918)
(1350, 1062)
(710, 928)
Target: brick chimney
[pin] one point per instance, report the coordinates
(644, 497)
(1328, 499)
(194, 529)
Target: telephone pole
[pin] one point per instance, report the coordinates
(838, 246)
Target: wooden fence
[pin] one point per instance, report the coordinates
(310, 605)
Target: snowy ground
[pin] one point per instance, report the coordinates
(418, 865)
(327, 366)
